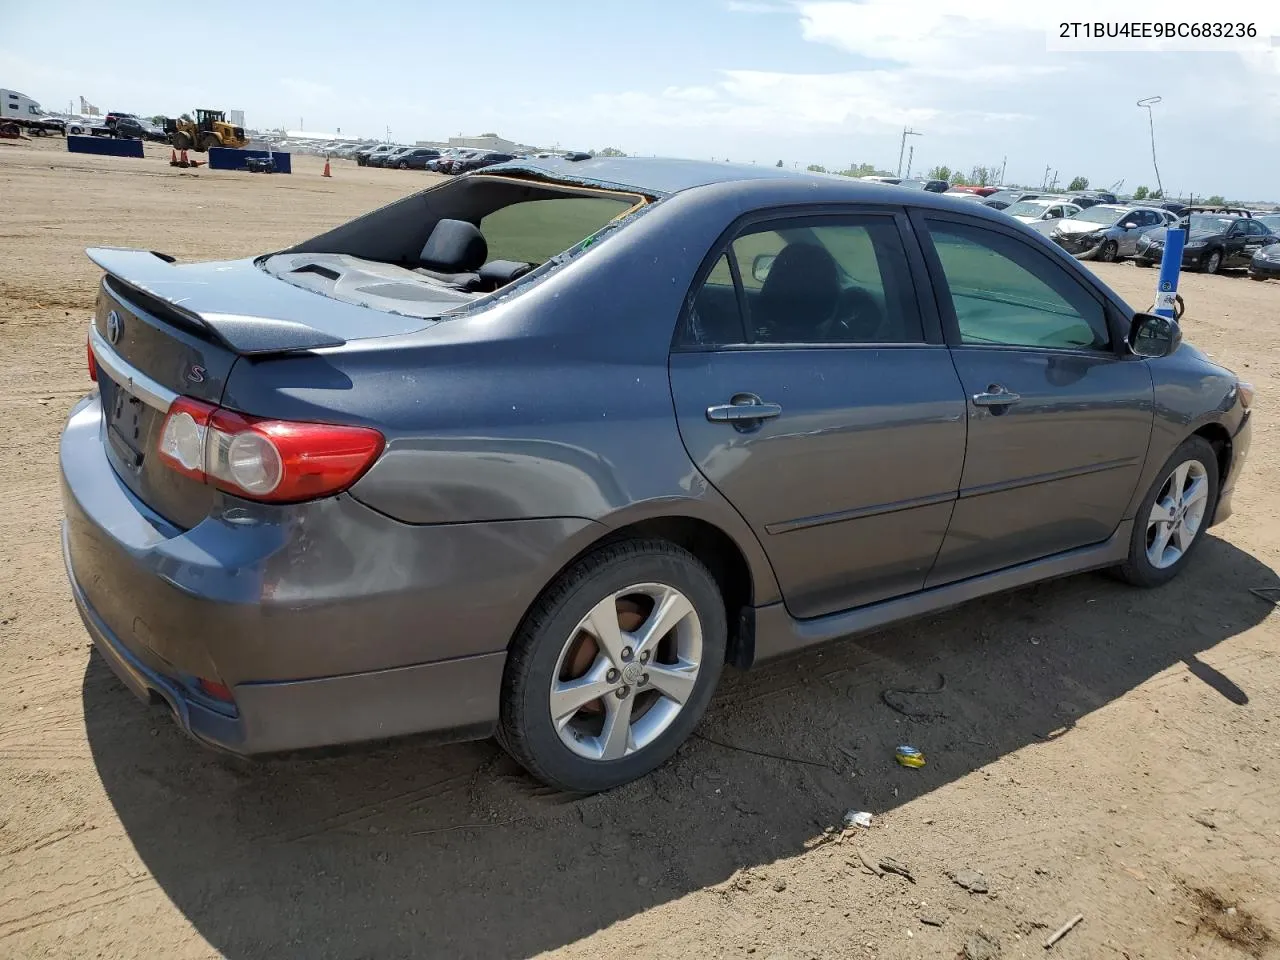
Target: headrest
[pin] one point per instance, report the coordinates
(455, 246)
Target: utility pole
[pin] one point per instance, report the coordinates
(902, 147)
(1054, 184)
(1003, 163)
(1149, 102)
(1044, 181)
(911, 155)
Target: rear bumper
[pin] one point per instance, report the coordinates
(329, 622)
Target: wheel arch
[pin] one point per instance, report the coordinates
(742, 574)
(1219, 438)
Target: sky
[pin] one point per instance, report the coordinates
(804, 82)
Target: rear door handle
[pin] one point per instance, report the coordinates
(996, 395)
(743, 408)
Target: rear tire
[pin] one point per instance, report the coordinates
(1186, 489)
(641, 587)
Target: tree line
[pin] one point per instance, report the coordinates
(982, 175)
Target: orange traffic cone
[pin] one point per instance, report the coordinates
(173, 157)
(184, 161)
(326, 168)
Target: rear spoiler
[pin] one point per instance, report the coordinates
(169, 291)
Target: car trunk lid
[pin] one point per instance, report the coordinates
(162, 330)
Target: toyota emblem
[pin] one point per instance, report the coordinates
(113, 326)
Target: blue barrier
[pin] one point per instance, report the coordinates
(105, 146)
(229, 158)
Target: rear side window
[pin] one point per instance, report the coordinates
(1007, 294)
(537, 230)
(822, 280)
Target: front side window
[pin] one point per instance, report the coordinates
(1007, 294)
(812, 281)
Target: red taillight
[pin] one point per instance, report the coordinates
(93, 362)
(274, 460)
(214, 689)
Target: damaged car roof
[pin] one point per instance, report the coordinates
(654, 177)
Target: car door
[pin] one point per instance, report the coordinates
(1256, 237)
(813, 390)
(1059, 413)
(1141, 220)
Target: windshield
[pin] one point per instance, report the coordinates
(1028, 208)
(1107, 215)
(1207, 223)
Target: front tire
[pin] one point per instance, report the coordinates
(1214, 262)
(613, 667)
(1108, 252)
(1173, 516)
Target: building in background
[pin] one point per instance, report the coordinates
(235, 118)
(488, 141)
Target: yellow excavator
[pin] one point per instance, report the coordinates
(209, 129)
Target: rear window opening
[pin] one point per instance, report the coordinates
(443, 249)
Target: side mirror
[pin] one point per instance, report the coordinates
(761, 266)
(1153, 336)
(1130, 225)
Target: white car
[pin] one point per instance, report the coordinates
(1043, 208)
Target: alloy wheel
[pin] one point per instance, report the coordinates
(626, 671)
(1213, 263)
(1178, 514)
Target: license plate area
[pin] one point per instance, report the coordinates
(128, 423)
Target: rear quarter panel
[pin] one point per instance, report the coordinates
(554, 403)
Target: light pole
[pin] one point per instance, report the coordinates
(1149, 102)
(906, 132)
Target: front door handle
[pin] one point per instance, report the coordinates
(743, 408)
(996, 395)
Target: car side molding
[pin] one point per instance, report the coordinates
(776, 633)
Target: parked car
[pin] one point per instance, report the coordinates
(479, 160)
(365, 158)
(983, 192)
(873, 178)
(1270, 220)
(1265, 264)
(112, 116)
(416, 159)
(1091, 198)
(473, 503)
(442, 163)
(1007, 198)
(1106, 231)
(1213, 242)
(454, 163)
(388, 159)
(933, 186)
(132, 128)
(958, 194)
(1041, 210)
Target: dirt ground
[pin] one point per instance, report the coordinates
(1095, 750)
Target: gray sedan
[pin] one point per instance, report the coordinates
(538, 451)
(1108, 232)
